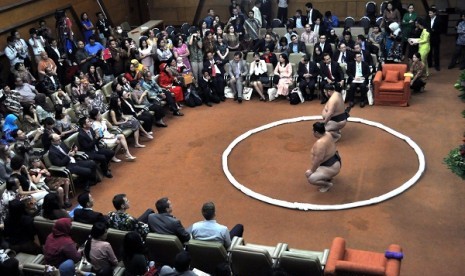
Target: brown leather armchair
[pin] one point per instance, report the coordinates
(391, 87)
(347, 261)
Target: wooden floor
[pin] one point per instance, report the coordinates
(184, 163)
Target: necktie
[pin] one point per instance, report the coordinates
(343, 58)
(213, 68)
(329, 72)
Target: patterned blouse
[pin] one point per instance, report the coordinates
(418, 70)
(125, 222)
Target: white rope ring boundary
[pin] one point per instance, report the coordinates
(321, 207)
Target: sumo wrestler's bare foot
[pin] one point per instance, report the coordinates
(326, 188)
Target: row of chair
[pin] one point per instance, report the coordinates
(244, 258)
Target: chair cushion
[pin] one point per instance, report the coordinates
(392, 87)
(392, 76)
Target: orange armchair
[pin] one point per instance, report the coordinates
(391, 87)
(347, 261)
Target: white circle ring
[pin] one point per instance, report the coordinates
(321, 207)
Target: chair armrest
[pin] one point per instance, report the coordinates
(82, 155)
(279, 249)
(407, 81)
(360, 269)
(336, 253)
(236, 241)
(378, 77)
(61, 171)
(393, 265)
(33, 268)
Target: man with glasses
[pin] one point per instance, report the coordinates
(308, 72)
(331, 73)
(60, 155)
(326, 162)
(358, 73)
(324, 45)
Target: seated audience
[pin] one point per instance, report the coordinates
(88, 140)
(165, 223)
(210, 230)
(86, 214)
(308, 72)
(98, 251)
(51, 208)
(121, 220)
(283, 75)
(134, 253)
(59, 246)
(181, 266)
(101, 126)
(19, 229)
(258, 72)
(61, 155)
(63, 122)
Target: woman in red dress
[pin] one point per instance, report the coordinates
(168, 81)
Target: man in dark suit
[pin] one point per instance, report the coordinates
(366, 56)
(165, 223)
(265, 10)
(341, 55)
(312, 14)
(296, 46)
(207, 89)
(324, 45)
(262, 44)
(88, 141)
(216, 67)
(331, 72)
(308, 72)
(86, 214)
(58, 56)
(61, 156)
(299, 20)
(358, 73)
(434, 26)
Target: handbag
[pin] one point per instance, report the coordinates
(228, 93)
(264, 78)
(247, 93)
(370, 95)
(272, 93)
(188, 78)
(296, 96)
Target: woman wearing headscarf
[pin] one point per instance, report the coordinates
(8, 126)
(167, 80)
(59, 245)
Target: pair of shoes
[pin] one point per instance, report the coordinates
(223, 99)
(108, 174)
(362, 104)
(310, 98)
(208, 104)
(235, 98)
(130, 158)
(115, 160)
(160, 124)
(149, 136)
(178, 113)
(87, 189)
(67, 204)
(139, 146)
(351, 104)
(262, 99)
(239, 100)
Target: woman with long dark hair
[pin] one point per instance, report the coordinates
(51, 209)
(145, 54)
(87, 27)
(134, 252)
(63, 122)
(98, 251)
(284, 71)
(118, 119)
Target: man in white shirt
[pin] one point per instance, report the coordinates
(210, 230)
(257, 13)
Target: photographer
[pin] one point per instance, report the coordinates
(196, 54)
